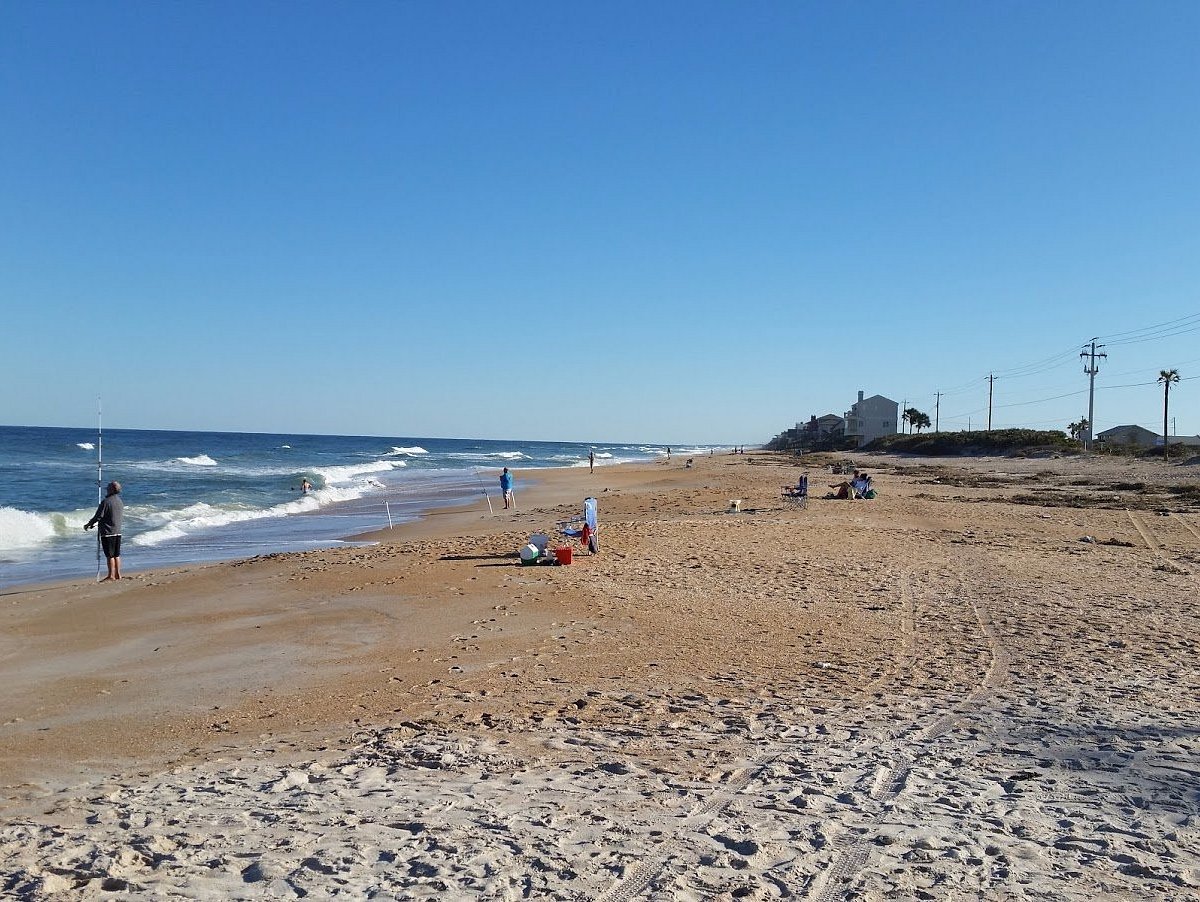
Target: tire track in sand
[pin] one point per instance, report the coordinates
(890, 781)
(630, 885)
(1167, 560)
(1186, 525)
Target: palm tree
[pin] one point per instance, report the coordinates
(1073, 429)
(921, 421)
(1166, 377)
(910, 414)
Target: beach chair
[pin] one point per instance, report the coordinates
(797, 495)
(584, 528)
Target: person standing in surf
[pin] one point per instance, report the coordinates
(506, 487)
(108, 516)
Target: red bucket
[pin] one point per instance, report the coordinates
(563, 555)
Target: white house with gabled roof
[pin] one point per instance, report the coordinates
(870, 418)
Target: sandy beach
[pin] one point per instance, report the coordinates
(983, 684)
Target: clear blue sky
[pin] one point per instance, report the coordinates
(632, 221)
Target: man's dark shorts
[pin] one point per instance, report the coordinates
(112, 546)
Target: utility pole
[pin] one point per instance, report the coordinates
(1090, 369)
(903, 410)
(991, 383)
(937, 404)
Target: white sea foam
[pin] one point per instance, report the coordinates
(333, 475)
(202, 460)
(23, 530)
(489, 455)
(181, 523)
(288, 447)
(409, 452)
(678, 451)
(86, 446)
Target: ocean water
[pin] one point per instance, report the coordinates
(209, 496)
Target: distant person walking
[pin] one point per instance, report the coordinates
(506, 483)
(668, 453)
(108, 516)
(591, 461)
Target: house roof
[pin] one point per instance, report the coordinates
(1130, 427)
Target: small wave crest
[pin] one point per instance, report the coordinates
(333, 475)
(182, 522)
(407, 452)
(86, 446)
(334, 485)
(201, 460)
(489, 455)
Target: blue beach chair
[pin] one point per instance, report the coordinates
(797, 495)
(585, 528)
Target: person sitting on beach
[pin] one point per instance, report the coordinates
(842, 489)
(861, 486)
(856, 486)
(688, 465)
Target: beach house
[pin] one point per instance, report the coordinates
(869, 418)
(1131, 435)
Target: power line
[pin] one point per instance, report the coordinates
(1183, 325)
(1171, 324)
(1041, 400)
(1037, 366)
(1135, 341)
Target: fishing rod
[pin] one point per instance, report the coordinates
(483, 488)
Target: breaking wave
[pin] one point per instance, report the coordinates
(202, 460)
(332, 475)
(22, 530)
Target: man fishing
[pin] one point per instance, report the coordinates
(506, 483)
(108, 516)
